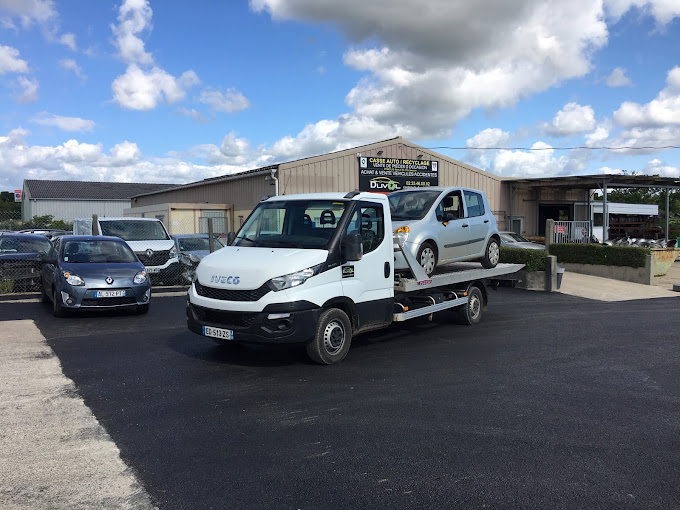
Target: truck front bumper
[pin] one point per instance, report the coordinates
(286, 324)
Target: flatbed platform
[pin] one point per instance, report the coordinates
(455, 273)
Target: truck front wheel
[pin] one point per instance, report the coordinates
(332, 339)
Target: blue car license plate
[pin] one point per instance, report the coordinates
(109, 293)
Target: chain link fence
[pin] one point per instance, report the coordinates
(170, 258)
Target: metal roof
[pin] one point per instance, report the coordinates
(595, 181)
(88, 190)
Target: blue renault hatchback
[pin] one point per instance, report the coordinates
(93, 272)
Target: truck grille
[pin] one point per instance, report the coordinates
(231, 295)
(157, 259)
(231, 320)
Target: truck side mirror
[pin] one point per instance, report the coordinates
(231, 236)
(351, 247)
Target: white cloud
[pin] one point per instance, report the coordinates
(658, 167)
(64, 123)
(540, 162)
(73, 160)
(71, 65)
(664, 110)
(134, 17)
(618, 78)
(138, 89)
(229, 101)
(27, 90)
(144, 84)
(196, 115)
(35, 12)
(572, 119)
(27, 12)
(10, 61)
(424, 76)
(663, 11)
(599, 135)
(490, 137)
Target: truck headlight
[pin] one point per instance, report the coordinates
(140, 277)
(173, 252)
(402, 234)
(73, 279)
(293, 279)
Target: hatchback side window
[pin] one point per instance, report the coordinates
(450, 208)
(475, 204)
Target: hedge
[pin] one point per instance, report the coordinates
(533, 260)
(600, 254)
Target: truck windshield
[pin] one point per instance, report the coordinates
(411, 205)
(134, 230)
(307, 224)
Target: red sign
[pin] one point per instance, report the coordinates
(560, 229)
(17, 195)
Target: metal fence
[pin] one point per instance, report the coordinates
(169, 259)
(572, 232)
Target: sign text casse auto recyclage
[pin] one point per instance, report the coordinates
(390, 174)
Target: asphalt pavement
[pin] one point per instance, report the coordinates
(552, 401)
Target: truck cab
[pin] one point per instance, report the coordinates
(294, 258)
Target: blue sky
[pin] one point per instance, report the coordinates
(151, 91)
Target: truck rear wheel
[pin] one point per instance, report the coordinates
(471, 312)
(332, 339)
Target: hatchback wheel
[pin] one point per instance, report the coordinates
(427, 257)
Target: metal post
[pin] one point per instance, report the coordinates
(95, 225)
(512, 199)
(590, 218)
(668, 212)
(211, 241)
(605, 214)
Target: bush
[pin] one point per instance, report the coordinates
(533, 260)
(600, 254)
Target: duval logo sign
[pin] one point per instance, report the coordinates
(383, 184)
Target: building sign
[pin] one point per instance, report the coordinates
(383, 175)
(17, 195)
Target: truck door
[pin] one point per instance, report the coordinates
(477, 220)
(452, 227)
(369, 282)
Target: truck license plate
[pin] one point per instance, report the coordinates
(224, 334)
(109, 293)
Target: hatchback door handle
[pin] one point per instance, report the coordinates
(486, 221)
(464, 225)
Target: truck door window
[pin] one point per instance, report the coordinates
(474, 203)
(368, 221)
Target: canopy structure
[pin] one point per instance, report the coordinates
(602, 182)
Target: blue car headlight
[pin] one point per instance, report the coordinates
(140, 277)
(73, 279)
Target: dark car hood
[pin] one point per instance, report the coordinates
(20, 256)
(99, 269)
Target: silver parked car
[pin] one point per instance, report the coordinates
(514, 240)
(443, 225)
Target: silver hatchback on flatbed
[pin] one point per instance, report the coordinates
(442, 225)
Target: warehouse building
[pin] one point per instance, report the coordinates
(519, 204)
(68, 200)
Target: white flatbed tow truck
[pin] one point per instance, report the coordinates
(317, 269)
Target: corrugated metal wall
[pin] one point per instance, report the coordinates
(68, 210)
(243, 193)
(340, 171)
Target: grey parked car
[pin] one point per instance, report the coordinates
(93, 272)
(514, 240)
(443, 225)
(192, 248)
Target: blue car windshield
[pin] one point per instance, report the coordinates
(88, 252)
